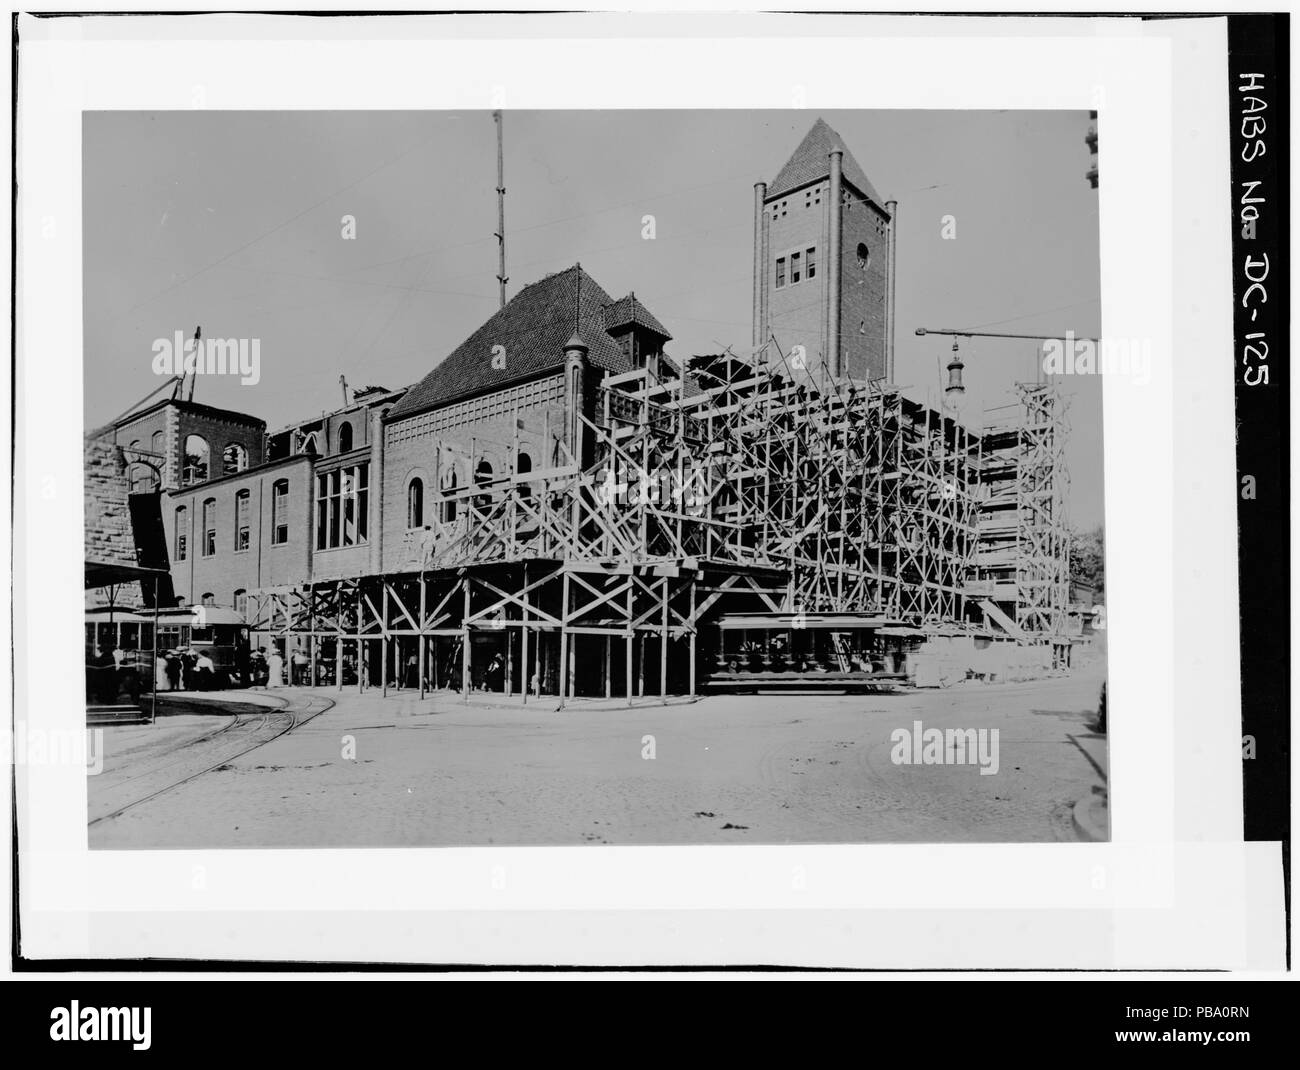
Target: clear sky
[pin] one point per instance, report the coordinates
(233, 221)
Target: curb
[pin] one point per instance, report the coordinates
(1091, 816)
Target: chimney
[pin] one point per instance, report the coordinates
(575, 368)
(833, 266)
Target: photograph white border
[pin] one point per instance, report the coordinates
(1176, 865)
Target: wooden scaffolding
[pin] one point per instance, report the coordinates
(740, 487)
(1022, 564)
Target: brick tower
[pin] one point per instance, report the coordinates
(823, 263)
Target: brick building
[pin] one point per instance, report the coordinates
(823, 263)
(521, 507)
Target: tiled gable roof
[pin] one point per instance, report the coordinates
(628, 310)
(811, 162)
(534, 327)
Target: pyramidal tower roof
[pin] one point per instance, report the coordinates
(811, 163)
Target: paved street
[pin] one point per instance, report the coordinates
(371, 771)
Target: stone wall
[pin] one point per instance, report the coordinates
(108, 518)
(109, 536)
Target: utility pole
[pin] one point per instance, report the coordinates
(501, 211)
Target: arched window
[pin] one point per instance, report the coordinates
(197, 458)
(208, 599)
(482, 477)
(241, 521)
(415, 503)
(140, 476)
(522, 467)
(156, 443)
(345, 437)
(182, 532)
(449, 484)
(279, 512)
(240, 601)
(209, 527)
(234, 458)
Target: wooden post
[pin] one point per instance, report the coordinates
(573, 666)
(464, 641)
(313, 644)
(361, 647)
(627, 654)
(663, 647)
(564, 638)
(153, 702)
(523, 641)
(609, 665)
(420, 653)
(383, 641)
(508, 685)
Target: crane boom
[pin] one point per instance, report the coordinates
(923, 331)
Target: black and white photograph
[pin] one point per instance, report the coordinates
(594, 478)
(575, 493)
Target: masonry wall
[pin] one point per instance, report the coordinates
(140, 433)
(863, 292)
(427, 446)
(108, 533)
(797, 311)
(263, 564)
(177, 421)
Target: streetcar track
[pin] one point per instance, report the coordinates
(297, 718)
(233, 720)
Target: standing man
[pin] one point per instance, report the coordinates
(301, 664)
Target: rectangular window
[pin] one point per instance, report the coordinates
(322, 509)
(343, 507)
(780, 272)
(336, 486)
(279, 512)
(363, 501)
(182, 532)
(794, 268)
(812, 262)
(241, 521)
(209, 527)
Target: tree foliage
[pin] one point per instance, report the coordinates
(1088, 559)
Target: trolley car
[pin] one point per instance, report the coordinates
(807, 651)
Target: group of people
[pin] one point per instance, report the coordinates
(188, 669)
